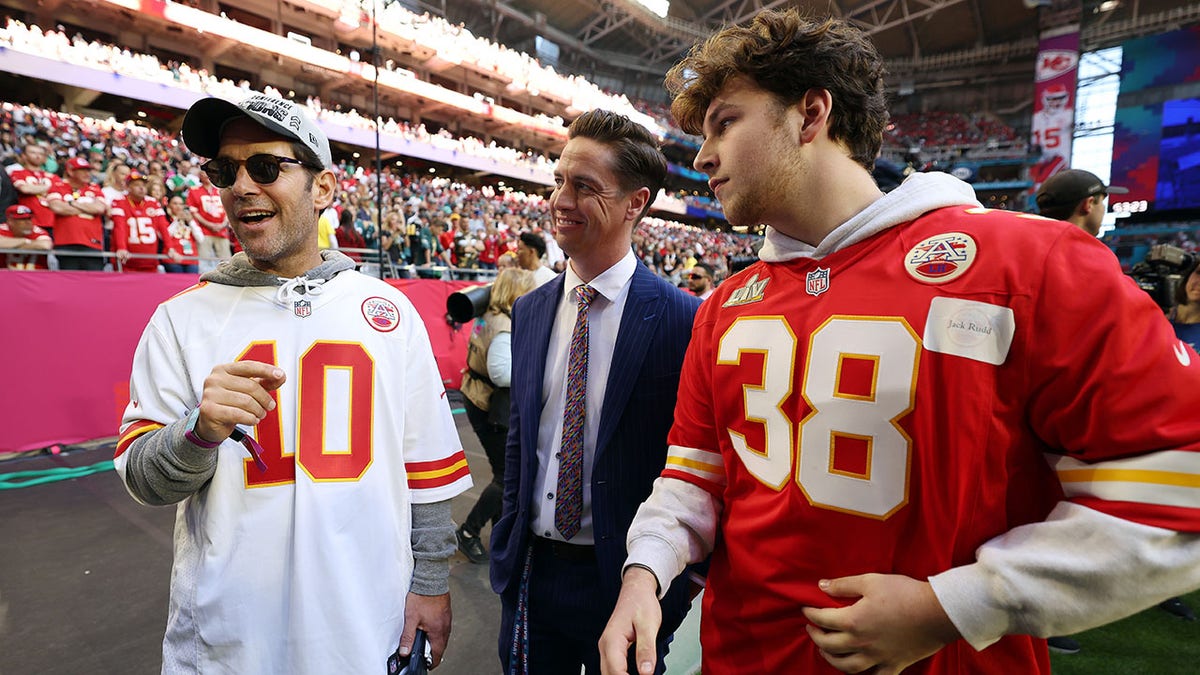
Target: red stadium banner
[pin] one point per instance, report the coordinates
(70, 337)
(1054, 100)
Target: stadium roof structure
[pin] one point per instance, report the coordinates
(922, 40)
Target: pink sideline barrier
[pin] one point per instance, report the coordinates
(69, 339)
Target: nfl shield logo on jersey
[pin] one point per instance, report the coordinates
(302, 308)
(817, 281)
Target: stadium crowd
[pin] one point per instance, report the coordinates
(428, 220)
(56, 44)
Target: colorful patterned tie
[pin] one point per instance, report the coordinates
(569, 507)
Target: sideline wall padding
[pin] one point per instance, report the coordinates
(68, 340)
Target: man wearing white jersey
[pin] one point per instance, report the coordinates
(293, 410)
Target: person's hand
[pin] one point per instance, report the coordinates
(236, 393)
(634, 621)
(174, 255)
(896, 622)
(430, 613)
(122, 256)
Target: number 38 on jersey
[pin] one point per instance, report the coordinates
(858, 380)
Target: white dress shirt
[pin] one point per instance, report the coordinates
(604, 321)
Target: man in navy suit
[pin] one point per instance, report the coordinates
(557, 550)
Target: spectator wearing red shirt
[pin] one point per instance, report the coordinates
(205, 204)
(139, 226)
(33, 183)
(493, 245)
(446, 239)
(19, 232)
(78, 206)
(348, 237)
(182, 239)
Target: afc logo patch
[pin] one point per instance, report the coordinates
(817, 281)
(381, 314)
(941, 258)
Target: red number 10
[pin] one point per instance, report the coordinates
(317, 461)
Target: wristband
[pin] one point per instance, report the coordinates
(189, 431)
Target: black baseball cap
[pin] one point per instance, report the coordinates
(1067, 188)
(206, 119)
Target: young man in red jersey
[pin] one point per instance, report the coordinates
(918, 433)
(79, 207)
(139, 226)
(33, 183)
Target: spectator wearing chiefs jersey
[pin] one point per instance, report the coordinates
(33, 183)
(326, 556)
(491, 245)
(903, 434)
(348, 237)
(205, 203)
(19, 233)
(79, 210)
(182, 239)
(139, 227)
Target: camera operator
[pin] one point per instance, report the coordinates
(1077, 197)
(1185, 315)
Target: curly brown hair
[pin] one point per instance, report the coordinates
(786, 54)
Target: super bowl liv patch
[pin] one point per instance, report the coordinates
(751, 291)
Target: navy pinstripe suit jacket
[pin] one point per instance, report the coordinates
(631, 444)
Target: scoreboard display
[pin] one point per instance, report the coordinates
(1156, 140)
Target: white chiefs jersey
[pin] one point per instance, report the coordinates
(303, 567)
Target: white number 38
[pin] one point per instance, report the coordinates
(868, 417)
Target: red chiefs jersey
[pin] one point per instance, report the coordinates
(210, 212)
(24, 261)
(491, 250)
(43, 217)
(138, 228)
(894, 405)
(83, 229)
(178, 237)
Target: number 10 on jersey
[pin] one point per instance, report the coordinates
(886, 352)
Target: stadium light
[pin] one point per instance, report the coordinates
(658, 7)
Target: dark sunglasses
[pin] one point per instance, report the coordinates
(262, 169)
(694, 275)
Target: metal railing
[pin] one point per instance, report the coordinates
(368, 261)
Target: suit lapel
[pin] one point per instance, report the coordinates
(642, 307)
(538, 319)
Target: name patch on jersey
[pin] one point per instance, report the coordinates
(381, 314)
(941, 258)
(751, 291)
(972, 330)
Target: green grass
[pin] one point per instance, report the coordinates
(1151, 643)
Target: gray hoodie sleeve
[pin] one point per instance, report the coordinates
(165, 468)
(433, 543)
